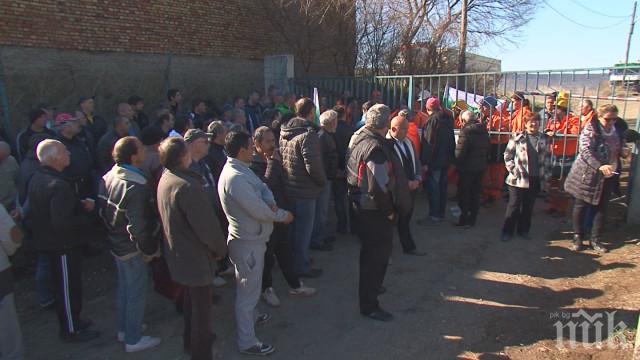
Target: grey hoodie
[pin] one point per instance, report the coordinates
(246, 201)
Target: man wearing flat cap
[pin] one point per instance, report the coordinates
(198, 144)
(379, 193)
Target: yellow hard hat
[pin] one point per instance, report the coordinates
(562, 100)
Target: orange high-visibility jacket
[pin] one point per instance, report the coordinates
(500, 124)
(570, 124)
(517, 119)
(585, 119)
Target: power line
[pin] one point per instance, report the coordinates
(599, 13)
(580, 24)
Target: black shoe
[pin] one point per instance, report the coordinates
(577, 243)
(84, 324)
(311, 274)
(505, 237)
(80, 336)
(259, 349)
(382, 290)
(415, 252)
(330, 239)
(321, 247)
(380, 315)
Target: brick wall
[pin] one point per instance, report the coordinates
(231, 28)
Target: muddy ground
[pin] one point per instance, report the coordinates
(471, 297)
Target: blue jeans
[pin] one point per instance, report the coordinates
(131, 297)
(320, 231)
(304, 212)
(436, 186)
(44, 281)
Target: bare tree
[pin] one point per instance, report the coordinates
(409, 36)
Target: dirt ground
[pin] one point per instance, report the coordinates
(471, 297)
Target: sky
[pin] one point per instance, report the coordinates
(550, 41)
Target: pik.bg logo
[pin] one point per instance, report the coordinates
(591, 330)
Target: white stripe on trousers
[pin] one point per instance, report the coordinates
(67, 299)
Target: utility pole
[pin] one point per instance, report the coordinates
(626, 55)
(462, 47)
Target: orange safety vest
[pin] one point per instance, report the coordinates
(500, 124)
(517, 119)
(585, 119)
(569, 125)
(413, 134)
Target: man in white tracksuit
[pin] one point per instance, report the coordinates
(251, 210)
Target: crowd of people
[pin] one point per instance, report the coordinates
(192, 197)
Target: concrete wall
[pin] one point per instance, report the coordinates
(62, 76)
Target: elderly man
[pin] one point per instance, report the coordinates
(320, 239)
(193, 242)
(411, 167)
(471, 162)
(133, 235)
(59, 222)
(120, 129)
(379, 191)
(251, 211)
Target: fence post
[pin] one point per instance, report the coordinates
(633, 214)
(410, 95)
(4, 98)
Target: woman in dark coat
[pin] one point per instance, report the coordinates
(591, 179)
(471, 162)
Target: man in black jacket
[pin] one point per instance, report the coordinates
(59, 222)
(378, 189)
(438, 148)
(125, 206)
(411, 167)
(471, 162)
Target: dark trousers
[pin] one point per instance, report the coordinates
(469, 192)
(404, 228)
(520, 208)
(197, 336)
(279, 247)
(66, 270)
(585, 214)
(341, 206)
(376, 237)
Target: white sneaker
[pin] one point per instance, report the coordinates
(303, 291)
(145, 342)
(269, 296)
(121, 333)
(218, 281)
